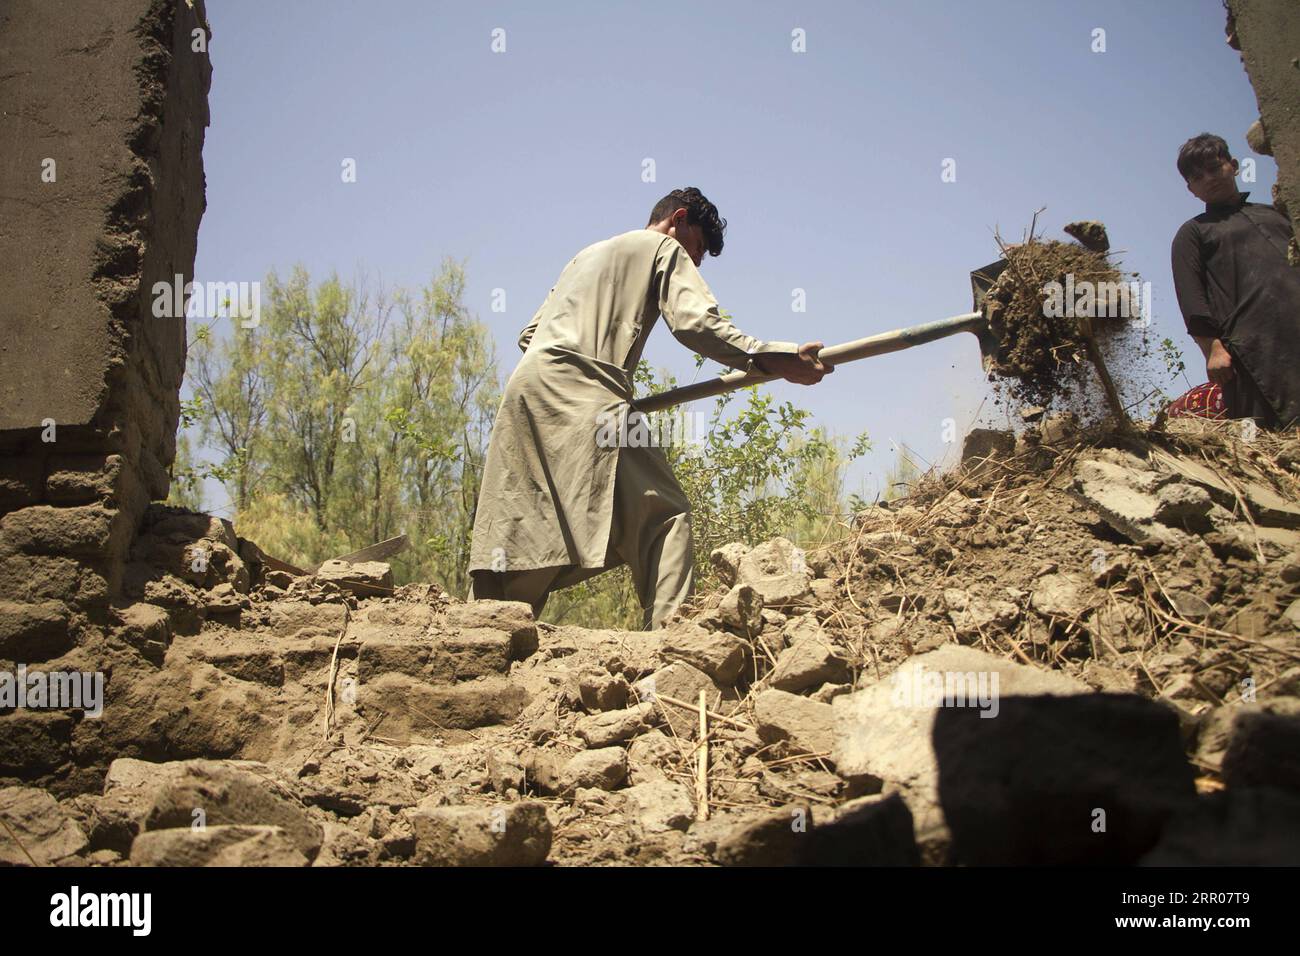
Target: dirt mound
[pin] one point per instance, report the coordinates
(1126, 609)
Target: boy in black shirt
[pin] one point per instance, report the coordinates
(1239, 298)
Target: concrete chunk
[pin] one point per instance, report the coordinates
(718, 654)
(777, 570)
(809, 661)
(614, 726)
(884, 732)
(363, 578)
(44, 831)
(604, 768)
(223, 846)
(516, 834)
(217, 792)
(806, 724)
(513, 617)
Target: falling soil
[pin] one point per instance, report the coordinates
(1040, 307)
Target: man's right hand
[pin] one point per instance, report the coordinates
(1218, 364)
(802, 369)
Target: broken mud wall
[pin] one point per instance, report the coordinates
(1269, 34)
(103, 119)
(102, 116)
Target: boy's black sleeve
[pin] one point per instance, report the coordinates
(1189, 282)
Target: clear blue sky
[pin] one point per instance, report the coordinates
(825, 163)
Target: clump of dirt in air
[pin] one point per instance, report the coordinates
(1090, 233)
(1039, 309)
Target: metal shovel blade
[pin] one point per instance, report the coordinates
(981, 280)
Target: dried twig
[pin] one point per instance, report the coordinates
(329, 686)
(702, 767)
(716, 716)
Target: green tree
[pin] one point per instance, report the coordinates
(338, 425)
(187, 484)
(438, 403)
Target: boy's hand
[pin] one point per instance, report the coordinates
(802, 369)
(1218, 364)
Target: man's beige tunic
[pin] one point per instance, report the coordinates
(547, 496)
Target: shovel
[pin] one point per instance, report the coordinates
(974, 322)
(375, 552)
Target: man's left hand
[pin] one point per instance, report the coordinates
(804, 368)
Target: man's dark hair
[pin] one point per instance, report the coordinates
(1201, 153)
(699, 212)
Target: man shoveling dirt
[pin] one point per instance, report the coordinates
(557, 505)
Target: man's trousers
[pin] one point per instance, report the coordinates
(650, 531)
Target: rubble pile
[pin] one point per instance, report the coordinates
(1075, 648)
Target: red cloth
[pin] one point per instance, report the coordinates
(1204, 401)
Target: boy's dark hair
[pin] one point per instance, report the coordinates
(699, 212)
(1200, 153)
